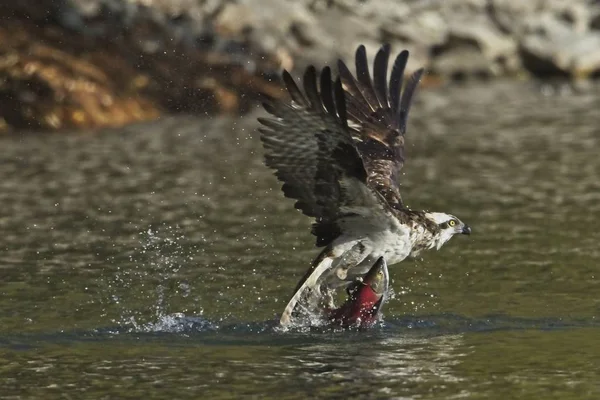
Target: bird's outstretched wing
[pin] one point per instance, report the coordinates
(309, 145)
(377, 115)
(338, 148)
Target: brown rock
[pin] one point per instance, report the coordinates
(107, 70)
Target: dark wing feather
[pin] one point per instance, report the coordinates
(340, 102)
(380, 75)
(406, 99)
(327, 91)
(310, 88)
(396, 79)
(293, 90)
(365, 85)
(378, 117)
(310, 147)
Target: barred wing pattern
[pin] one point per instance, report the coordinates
(312, 152)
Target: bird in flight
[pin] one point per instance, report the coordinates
(338, 147)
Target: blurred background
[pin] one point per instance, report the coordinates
(93, 63)
(146, 251)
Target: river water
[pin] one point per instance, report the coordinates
(152, 261)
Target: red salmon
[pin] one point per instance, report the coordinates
(365, 299)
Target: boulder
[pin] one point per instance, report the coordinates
(551, 46)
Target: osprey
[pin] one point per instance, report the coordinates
(338, 149)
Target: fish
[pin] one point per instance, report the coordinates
(366, 297)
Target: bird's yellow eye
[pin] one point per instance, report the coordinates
(452, 222)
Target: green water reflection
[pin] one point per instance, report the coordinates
(124, 228)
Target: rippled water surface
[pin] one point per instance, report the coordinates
(152, 262)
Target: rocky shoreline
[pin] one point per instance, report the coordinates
(90, 63)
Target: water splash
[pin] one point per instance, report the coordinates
(153, 295)
(173, 323)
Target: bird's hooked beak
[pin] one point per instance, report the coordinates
(466, 230)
